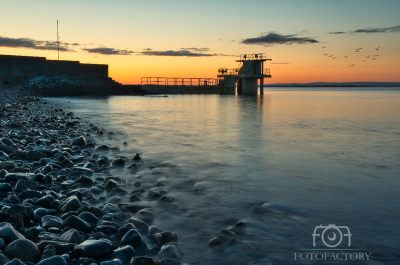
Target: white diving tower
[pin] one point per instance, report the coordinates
(246, 76)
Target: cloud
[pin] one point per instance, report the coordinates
(188, 52)
(275, 38)
(370, 30)
(337, 32)
(108, 51)
(33, 44)
(379, 30)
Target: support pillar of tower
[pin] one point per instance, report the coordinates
(262, 86)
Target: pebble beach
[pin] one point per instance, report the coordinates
(59, 202)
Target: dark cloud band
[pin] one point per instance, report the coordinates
(188, 52)
(275, 38)
(107, 51)
(32, 44)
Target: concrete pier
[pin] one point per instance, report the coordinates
(245, 78)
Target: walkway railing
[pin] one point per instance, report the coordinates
(176, 81)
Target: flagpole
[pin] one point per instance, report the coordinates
(58, 43)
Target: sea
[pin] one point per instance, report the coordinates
(313, 173)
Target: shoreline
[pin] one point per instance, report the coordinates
(51, 178)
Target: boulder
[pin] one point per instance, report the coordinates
(23, 249)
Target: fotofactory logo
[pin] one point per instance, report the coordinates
(332, 242)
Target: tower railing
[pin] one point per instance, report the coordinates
(255, 56)
(237, 71)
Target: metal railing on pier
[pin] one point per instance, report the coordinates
(176, 81)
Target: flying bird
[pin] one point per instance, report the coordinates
(326, 54)
(377, 48)
(334, 57)
(351, 65)
(346, 56)
(363, 61)
(367, 56)
(324, 47)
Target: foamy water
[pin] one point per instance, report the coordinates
(306, 157)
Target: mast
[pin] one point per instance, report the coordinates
(58, 43)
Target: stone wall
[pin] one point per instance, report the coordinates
(17, 68)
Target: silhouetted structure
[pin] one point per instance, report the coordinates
(17, 68)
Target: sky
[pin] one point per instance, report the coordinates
(308, 40)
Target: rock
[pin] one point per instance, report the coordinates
(77, 223)
(4, 156)
(137, 157)
(17, 176)
(7, 149)
(133, 238)
(8, 233)
(71, 236)
(103, 161)
(93, 248)
(154, 230)
(51, 221)
(55, 260)
(239, 228)
(145, 216)
(26, 211)
(79, 141)
(141, 226)
(142, 261)
(28, 194)
(134, 198)
(45, 201)
(5, 187)
(226, 235)
(118, 162)
(214, 242)
(124, 229)
(102, 147)
(169, 252)
(3, 259)
(70, 204)
(86, 181)
(48, 252)
(164, 238)
(15, 262)
(88, 217)
(125, 254)
(61, 247)
(77, 171)
(35, 155)
(111, 184)
(31, 233)
(112, 262)
(3, 173)
(111, 208)
(30, 251)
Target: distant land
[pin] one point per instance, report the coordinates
(345, 84)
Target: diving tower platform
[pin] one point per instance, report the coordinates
(243, 80)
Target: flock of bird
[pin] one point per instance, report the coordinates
(373, 57)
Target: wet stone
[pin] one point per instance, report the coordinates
(93, 248)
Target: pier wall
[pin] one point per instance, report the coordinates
(17, 68)
(165, 89)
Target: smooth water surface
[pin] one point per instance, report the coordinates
(282, 163)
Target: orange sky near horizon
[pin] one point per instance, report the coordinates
(138, 39)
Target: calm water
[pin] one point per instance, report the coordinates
(305, 157)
